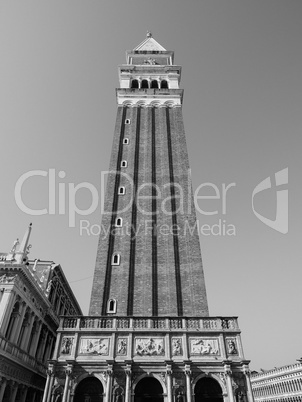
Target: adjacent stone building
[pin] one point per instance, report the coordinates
(282, 384)
(33, 294)
(149, 336)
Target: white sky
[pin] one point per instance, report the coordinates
(242, 109)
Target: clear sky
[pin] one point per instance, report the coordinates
(241, 71)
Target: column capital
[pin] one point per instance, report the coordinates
(68, 370)
(227, 367)
(128, 370)
(168, 367)
(109, 370)
(50, 371)
(245, 367)
(3, 380)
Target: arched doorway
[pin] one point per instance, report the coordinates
(89, 390)
(148, 389)
(208, 390)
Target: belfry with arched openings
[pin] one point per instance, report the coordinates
(149, 336)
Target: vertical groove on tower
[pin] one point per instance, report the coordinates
(174, 219)
(113, 216)
(154, 223)
(134, 217)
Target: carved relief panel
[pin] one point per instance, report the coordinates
(122, 345)
(149, 346)
(66, 345)
(94, 346)
(231, 346)
(177, 349)
(204, 346)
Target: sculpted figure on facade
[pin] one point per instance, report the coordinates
(13, 250)
(66, 345)
(150, 61)
(27, 251)
(232, 350)
(176, 347)
(122, 346)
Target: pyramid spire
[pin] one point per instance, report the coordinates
(149, 44)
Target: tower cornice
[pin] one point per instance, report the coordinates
(145, 97)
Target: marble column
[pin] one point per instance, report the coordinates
(247, 374)
(188, 382)
(24, 394)
(169, 382)
(47, 388)
(128, 383)
(27, 332)
(228, 374)
(35, 341)
(20, 322)
(6, 308)
(51, 382)
(14, 390)
(2, 387)
(68, 373)
(109, 373)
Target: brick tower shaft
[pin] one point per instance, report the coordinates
(148, 260)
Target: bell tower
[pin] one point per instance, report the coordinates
(149, 264)
(148, 336)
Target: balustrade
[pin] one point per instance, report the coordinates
(204, 324)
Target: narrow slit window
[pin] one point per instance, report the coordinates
(122, 190)
(115, 260)
(119, 222)
(127, 121)
(124, 164)
(111, 306)
(126, 141)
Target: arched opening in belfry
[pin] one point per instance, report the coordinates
(90, 389)
(134, 84)
(145, 84)
(208, 390)
(164, 84)
(148, 389)
(154, 84)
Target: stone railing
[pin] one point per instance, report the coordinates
(147, 323)
(21, 355)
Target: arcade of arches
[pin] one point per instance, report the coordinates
(148, 389)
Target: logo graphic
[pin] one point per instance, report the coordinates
(280, 224)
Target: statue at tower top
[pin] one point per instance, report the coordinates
(149, 34)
